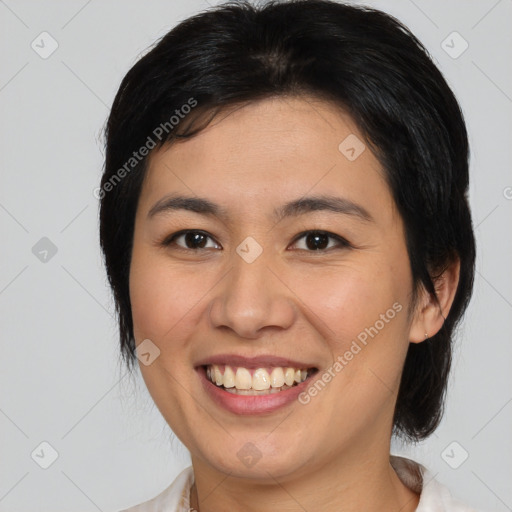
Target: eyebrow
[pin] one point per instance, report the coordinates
(294, 208)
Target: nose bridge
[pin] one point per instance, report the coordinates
(251, 297)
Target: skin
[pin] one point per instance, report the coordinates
(333, 453)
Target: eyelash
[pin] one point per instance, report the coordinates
(342, 242)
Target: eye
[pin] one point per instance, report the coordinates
(319, 241)
(313, 241)
(191, 240)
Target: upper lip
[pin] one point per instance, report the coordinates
(253, 362)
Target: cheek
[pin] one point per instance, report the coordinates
(348, 299)
(362, 314)
(161, 297)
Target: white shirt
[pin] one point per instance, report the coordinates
(434, 497)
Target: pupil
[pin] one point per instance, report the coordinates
(321, 241)
(195, 240)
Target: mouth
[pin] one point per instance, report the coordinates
(239, 380)
(253, 385)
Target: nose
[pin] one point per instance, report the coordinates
(252, 299)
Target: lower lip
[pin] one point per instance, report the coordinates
(246, 404)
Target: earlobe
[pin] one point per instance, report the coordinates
(431, 313)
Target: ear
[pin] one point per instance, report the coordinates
(430, 314)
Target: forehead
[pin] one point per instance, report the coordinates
(269, 151)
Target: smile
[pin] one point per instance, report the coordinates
(253, 382)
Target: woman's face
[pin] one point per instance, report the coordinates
(251, 288)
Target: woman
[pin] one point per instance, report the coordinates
(287, 235)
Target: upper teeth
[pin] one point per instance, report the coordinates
(241, 378)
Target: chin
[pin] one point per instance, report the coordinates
(246, 456)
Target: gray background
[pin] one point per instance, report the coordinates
(60, 380)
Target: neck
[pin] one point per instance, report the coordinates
(349, 482)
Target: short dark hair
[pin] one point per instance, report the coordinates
(364, 61)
